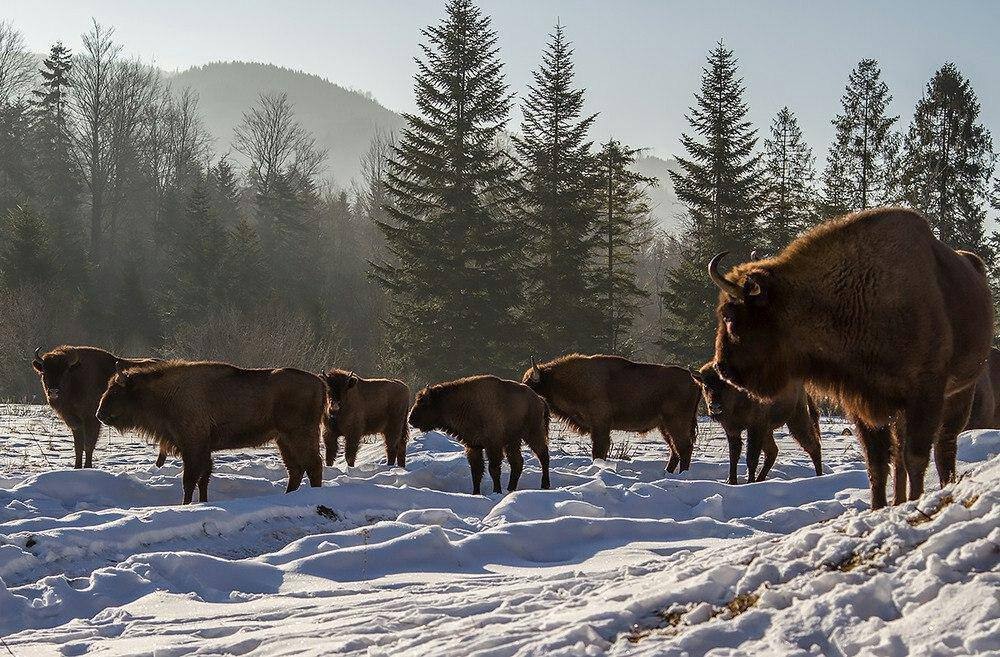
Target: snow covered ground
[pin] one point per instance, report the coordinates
(619, 558)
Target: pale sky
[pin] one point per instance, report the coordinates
(640, 61)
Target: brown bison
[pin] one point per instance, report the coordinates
(598, 394)
(363, 407)
(196, 408)
(875, 312)
(736, 411)
(985, 412)
(74, 378)
(488, 413)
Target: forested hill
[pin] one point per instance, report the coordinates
(342, 120)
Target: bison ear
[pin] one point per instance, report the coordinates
(74, 360)
(755, 287)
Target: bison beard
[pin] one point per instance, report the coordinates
(491, 414)
(736, 411)
(194, 408)
(598, 394)
(875, 312)
(74, 378)
(363, 407)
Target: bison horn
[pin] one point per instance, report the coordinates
(38, 355)
(753, 254)
(696, 375)
(536, 376)
(74, 360)
(724, 284)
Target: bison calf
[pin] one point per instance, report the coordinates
(491, 414)
(195, 408)
(74, 378)
(362, 407)
(597, 394)
(736, 411)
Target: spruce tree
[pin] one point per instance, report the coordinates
(560, 213)
(199, 246)
(453, 249)
(623, 228)
(861, 167)
(720, 184)
(26, 254)
(245, 276)
(789, 202)
(948, 160)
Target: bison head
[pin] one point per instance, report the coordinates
(424, 413)
(750, 346)
(340, 383)
(713, 390)
(120, 401)
(55, 369)
(536, 378)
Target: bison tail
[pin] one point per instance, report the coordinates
(976, 261)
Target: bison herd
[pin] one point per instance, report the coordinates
(870, 311)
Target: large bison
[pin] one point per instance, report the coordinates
(985, 412)
(196, 408)
(492, 414)
(362, 407)
(74, 378)
(737, 411)
(598, 394)
(875, 312)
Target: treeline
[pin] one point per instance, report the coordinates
(462, 248)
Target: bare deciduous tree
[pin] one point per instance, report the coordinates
(17, 65)
(275, 144)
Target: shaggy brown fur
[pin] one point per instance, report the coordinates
(492, 414)
(362, 407)
(598, 394)
(736, 411)
(196, 408)
(986, 401)
(74, 378)
(875, 312)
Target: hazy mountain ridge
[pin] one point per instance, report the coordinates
(342, 120)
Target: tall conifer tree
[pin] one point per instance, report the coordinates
(861, 167)
(789, 204)
(948, 160)
(453, 250)
(720, 184)
(623, 227)
(560, 214)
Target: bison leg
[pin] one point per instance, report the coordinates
(475, 457)
(680, 435)
(193, 467)
(516, 460)
(735, 440)
(923, 422)
(295, 471)
(766, 441)
(206, 473)
(92, 430)
(538, 443)
(351, 445)
(804, 427)
(395, 446)
(754, 445)
(331, 448)
(495, 457)
(875, 443)
(674, 459)
(957, 411)
(600, 441)
(79, 440)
